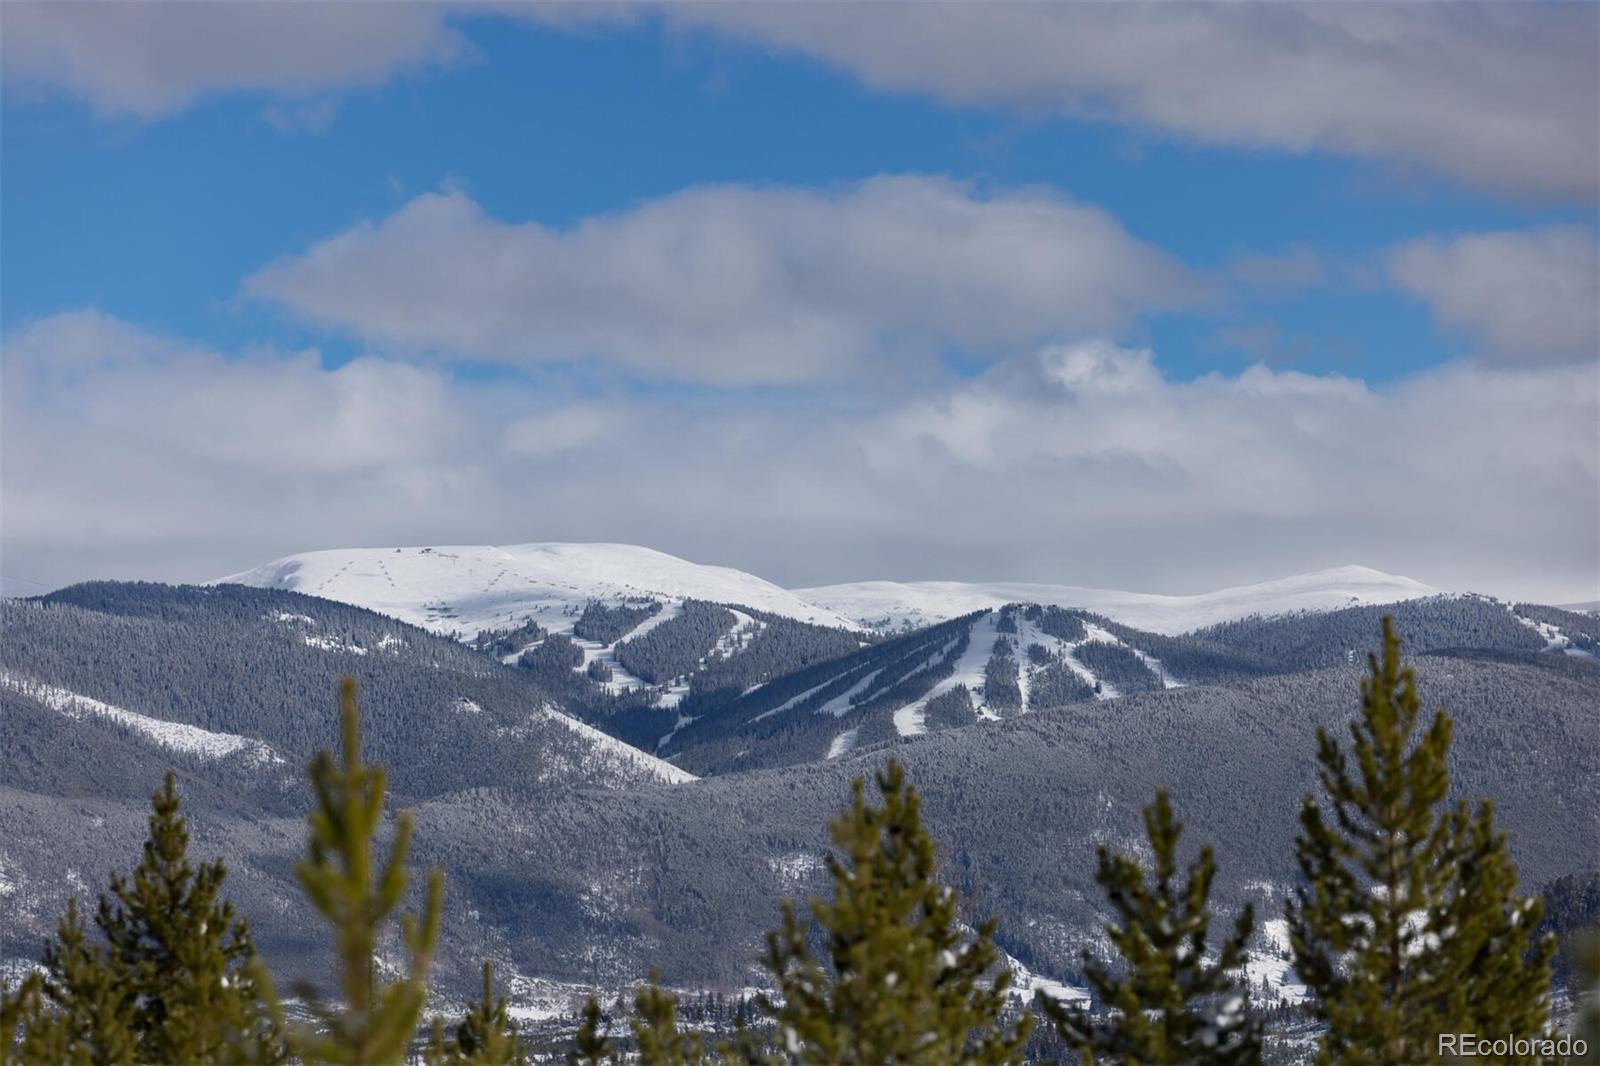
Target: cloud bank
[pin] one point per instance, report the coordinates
(129, 454)
(734, 285)
(150, 59)
(1502, 96)
(1524, 296)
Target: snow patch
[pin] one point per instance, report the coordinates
(330, 644)
(845, 742)
(968, 671)
(1269, 971)
(912, 719)
(660, 769)
(1025, 983)
(175, 736)
(920, 603)
(796, 866)
(458, 590)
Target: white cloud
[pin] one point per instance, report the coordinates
(1505, 96)
(552, 431)
(121, 446)
(735, 285)
(1527, 297)
(149, 59)
(134, 456)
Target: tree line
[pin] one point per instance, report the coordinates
(1406, 924)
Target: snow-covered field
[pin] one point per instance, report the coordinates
(926, 602)
(462, 589)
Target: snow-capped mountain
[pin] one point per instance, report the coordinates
(463, 589)
(1020, 658)
(562, 844)
(896, 604)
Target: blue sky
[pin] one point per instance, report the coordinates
(158, 221)
(175, 189)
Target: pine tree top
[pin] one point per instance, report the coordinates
(902, 979)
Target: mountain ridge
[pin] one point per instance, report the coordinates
(462, 588)
(901, 603)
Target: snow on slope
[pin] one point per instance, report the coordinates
(612, 748)
(467, 588)
(175, 736)
(926, 602)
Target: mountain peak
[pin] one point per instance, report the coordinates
(924, 602)
(464, 588)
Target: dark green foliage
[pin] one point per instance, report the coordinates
(1313, 640)
(1056, 685)
(950, 710)
(1038, 655)
(188, 962)
(173, 980)
(591, 1046)
(607, 625)
(555, 652)
(1059, 623)
(1116, 666)
(1406, 924)
(485, 1037)
(781, 647)
(234, 659)
(374, 1023)
(1001, 690)
(1571, 905)
(899, 981)
(500, 643)
(1256, 647)
(776, 724)
(656, 1035)
(676, 647)
(82, 1009)
(1018, 802)
(1169, 1006)
(1583, 630)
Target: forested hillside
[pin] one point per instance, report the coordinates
(259, 664)
(561, 882)
(568, 861)
(1021, 658)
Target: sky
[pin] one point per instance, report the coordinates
(1155, 297)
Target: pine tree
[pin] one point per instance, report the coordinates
(485, 1037)
(172, 982)
(187, 960)
(902, 983)
(80, 1010)
(655, 1029)
(1496, 972)
(1170, 1006)
(1407, 924)
(374, 1023)
(591, 1046)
